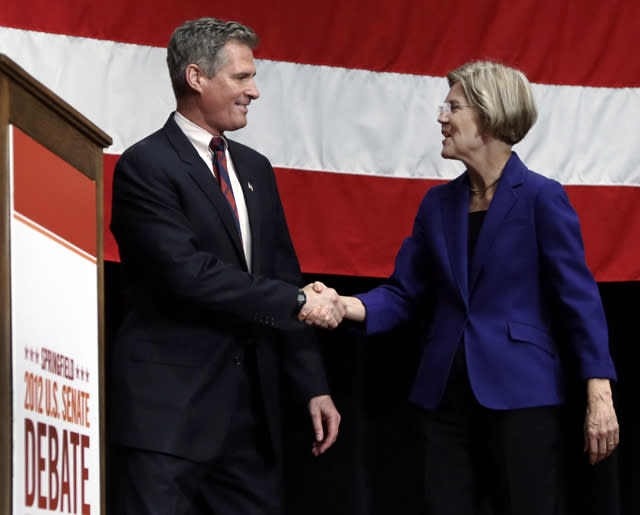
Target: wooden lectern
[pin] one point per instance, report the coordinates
(51, 302)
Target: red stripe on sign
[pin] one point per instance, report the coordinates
(54, 194)
(580, 43)
(55, 238)
(354, 224)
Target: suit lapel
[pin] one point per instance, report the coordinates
(249, 184)
(455, 222)
(203, 177)
(503, 201)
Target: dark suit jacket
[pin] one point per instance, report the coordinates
(193, 303)
(527, 275)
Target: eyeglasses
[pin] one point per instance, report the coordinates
(448, 108)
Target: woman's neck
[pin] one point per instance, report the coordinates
(485, 169)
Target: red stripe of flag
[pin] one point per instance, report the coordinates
(370, 216)
(575, 43)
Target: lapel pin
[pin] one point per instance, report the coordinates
(250, 186)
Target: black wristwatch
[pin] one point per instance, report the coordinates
(301, 301)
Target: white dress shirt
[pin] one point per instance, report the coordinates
(200, 139)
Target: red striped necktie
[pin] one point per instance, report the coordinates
(222, 175)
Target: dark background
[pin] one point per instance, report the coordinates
(375, 467)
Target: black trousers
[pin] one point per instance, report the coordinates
(476, 458)
(244, 480)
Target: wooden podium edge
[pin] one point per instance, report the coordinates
(62, 108)
(14, 80)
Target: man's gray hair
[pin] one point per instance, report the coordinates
(201, 42)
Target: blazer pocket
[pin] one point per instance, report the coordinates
(527, 333)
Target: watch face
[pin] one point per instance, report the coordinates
(302, 300)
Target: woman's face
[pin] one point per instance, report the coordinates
(460, 127)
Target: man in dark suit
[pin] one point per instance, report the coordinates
(214, 302)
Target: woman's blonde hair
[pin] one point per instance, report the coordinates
(501, 95)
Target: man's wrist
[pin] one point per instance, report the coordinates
(301, 300)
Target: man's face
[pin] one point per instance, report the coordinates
(226, 96)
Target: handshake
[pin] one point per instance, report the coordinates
(325, 308)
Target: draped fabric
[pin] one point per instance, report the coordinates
(347, 112)
(347, 115)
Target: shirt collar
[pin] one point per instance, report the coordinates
(196, 134)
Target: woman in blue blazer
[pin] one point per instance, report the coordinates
(499, 252)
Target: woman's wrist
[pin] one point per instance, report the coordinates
(356, 310)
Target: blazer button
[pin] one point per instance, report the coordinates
(237, 360)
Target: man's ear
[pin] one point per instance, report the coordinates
(194, 76)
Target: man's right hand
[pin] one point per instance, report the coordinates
(324, 307)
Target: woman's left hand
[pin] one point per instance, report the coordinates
(601, 430)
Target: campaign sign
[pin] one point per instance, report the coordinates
(54, 328)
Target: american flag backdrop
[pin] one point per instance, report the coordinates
(347, 113)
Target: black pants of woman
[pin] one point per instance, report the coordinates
(510, 461)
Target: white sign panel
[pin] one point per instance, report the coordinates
(54, 313)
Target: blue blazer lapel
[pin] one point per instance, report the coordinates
(503, 201)
(204, 179)
(455, 221)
